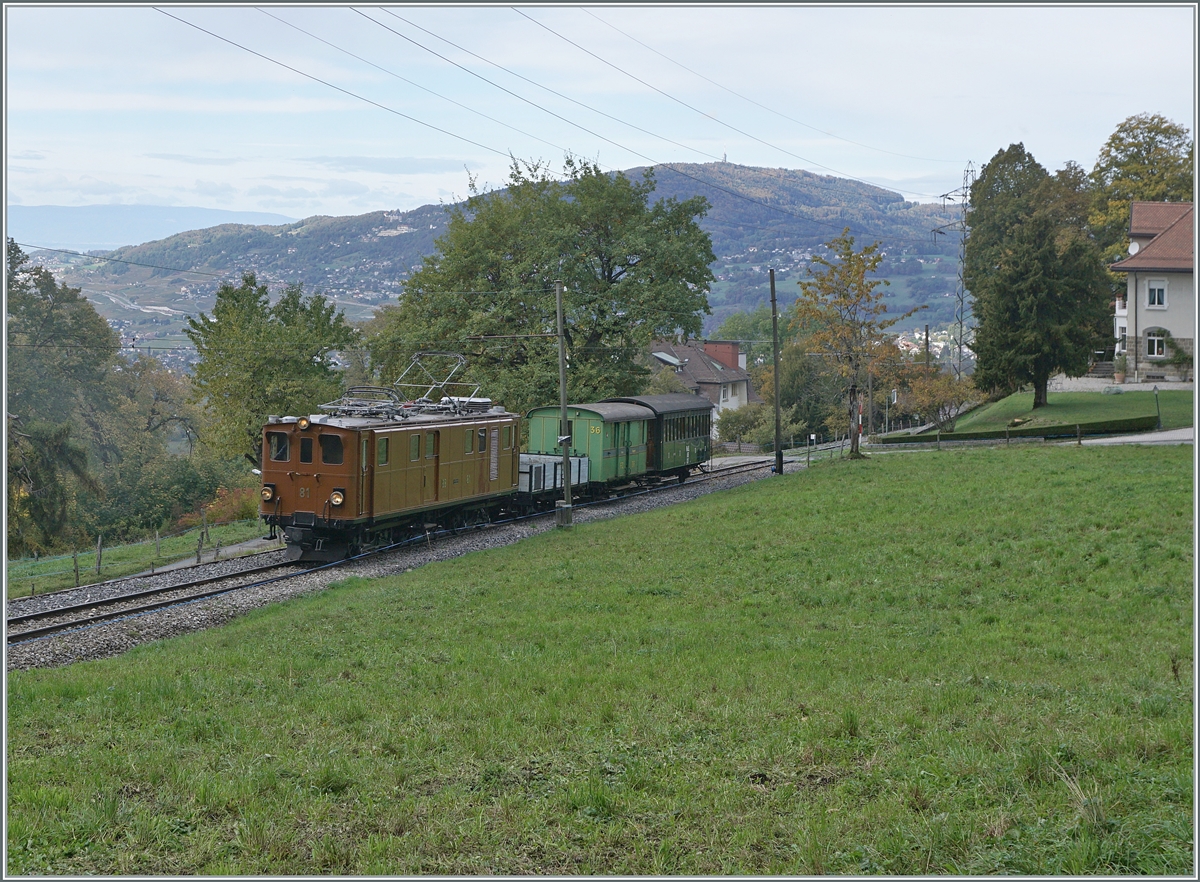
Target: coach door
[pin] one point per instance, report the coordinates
(431, 476)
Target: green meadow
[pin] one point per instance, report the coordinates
(1071, 408)
(962, 662)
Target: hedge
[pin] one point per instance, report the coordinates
(1098, 427)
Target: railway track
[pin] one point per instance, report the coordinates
(74, 620)
(42, 623)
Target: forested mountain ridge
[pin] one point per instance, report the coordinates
(362, 261)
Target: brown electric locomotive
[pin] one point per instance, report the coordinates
(375, 469)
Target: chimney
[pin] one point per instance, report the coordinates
(725, 351)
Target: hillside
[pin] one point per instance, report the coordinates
(362, 261)
(864, 668)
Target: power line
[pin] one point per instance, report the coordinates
(756, 103)
(526, 79)
(406, 80)
(520, 97)
(119, 260)
(648, 159)
(383, 107)
(704, 114)
(332, 86)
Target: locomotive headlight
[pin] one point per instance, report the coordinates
(303, 423)
(267, 492)
(337, 497)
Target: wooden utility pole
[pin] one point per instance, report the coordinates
(775, 356)
(563, 507)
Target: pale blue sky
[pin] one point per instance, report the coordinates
(126, 105)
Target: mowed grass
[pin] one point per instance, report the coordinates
(975, 661)
(1070, 408)
(25, 576)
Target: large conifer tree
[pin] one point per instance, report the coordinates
(1035, 274)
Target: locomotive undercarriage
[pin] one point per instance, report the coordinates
(329, 541)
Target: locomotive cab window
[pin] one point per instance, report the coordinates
(306, 449)
(277, 446)
(414, 447)
(431, 445)
(381, 448)
(507, 436)
(468, 441)
(331, 449)
(483, 440)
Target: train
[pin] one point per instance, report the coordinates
(384, 464)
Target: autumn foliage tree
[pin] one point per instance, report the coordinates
(1148, 158)
(842, 312)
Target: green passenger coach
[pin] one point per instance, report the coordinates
(612, 435)
(681, 435)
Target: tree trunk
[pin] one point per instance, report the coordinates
(853, 419)
(1040, 382)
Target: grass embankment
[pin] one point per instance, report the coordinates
(1075, 408)
(974, 662)
(28, 576)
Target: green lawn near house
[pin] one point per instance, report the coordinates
(969, 661)
(1071, 408)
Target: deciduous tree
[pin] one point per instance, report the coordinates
(843, 312)
(257, 359)
(633, 271)
(1148, 158)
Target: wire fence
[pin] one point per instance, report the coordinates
(205, 541)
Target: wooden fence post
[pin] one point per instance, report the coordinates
(75, 558)
(99, 552)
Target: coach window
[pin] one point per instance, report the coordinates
(468, 441)
(306, 449)
(414, 447)
(381, 448)
(483, 440)
(277, 446)
(331, 449)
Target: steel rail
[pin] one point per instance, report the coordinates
(32, 633)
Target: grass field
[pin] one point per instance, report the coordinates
(1069, 408)
(972, 661)
(28, 576)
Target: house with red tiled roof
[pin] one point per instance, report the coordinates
(715, 369)
(1160, 295)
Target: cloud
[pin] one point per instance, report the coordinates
(399, 165)
(28, 154)
(214, 189)
(193, 160)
